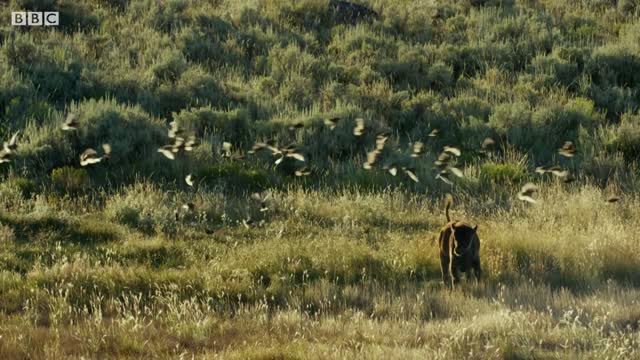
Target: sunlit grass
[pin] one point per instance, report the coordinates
(334, 276)
(103, 261)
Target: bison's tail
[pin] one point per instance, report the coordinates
(448, 200)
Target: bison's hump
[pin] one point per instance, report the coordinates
(458, 225)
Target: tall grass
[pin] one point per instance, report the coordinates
(105, 261)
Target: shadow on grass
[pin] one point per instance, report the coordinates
(520, 265)
(378, 222)
(47, 228)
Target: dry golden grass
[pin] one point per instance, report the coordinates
(96, 263)
(331, 276)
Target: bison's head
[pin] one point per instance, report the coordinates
(463, 236)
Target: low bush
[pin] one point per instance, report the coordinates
(142, 207)
(627, 140)
(615, 65)
(236, 177)
(57, 74)
(234, 125)
(70, 180)
(502, 173)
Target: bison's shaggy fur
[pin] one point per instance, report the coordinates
(459, 249)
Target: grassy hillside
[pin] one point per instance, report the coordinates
(104, 261)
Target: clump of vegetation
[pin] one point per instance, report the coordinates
(232, 251)
(503, 173)
(70, 180)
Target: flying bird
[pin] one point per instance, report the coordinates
(303, 172)
(226, 149)
(5, 157)
(167, 151)
(191, 143)
(260, 146)
(444, 164)
(227, 152)
(332, 122)
(70, 123)
(411, 173)
(263, 199)
(358, 130)
(444, 177)
(247, 222)
(106, 149)
(392, 168)
(526, 192)
(372, 158)
(189, 180)
(289, 151)
(559, 172)
(542, 170)
(568, 149)
(417, 149)
(613, 198)
(568, 178)
(283, 156)
(381, 140)
(90, 157)
(455, 171)
(487, 144)
(296, 155)
(174, 129)
(452, 150)
(190, 207)
(183, 210)
(11, 146)
(296, 126)
(443, 160)
(178, 144)
(9, 149)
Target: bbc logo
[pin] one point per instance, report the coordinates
(35, 18)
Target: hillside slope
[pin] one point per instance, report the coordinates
(278, 235)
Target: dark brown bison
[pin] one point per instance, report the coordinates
(459, 249)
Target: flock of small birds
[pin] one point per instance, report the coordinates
(179, 143)
(445, 164)
(567, 150)
(89, 156)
